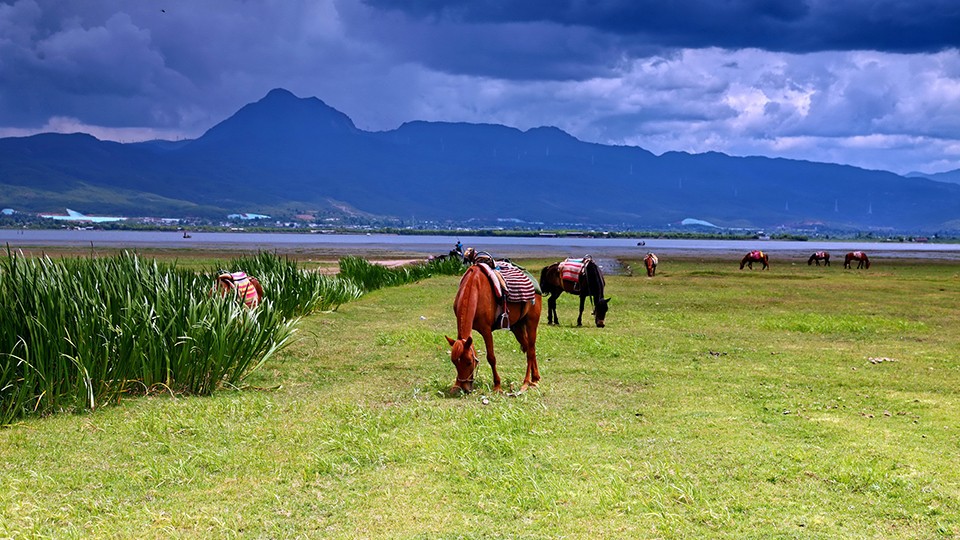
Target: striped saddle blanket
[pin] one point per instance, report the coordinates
(756, 254)
(240, 282)
(520, 285)
(571, 269)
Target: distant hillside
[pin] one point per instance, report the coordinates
(284, 153)
(952, 177)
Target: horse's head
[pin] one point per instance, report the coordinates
(600, 311)
(464, 358)
(224, 284)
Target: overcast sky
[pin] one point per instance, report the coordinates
(869, 83)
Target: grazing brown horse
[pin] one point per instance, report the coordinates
(864, 261)
(755, 256)
(477, 309)
(590, 283)
(650, 261)
(246, 288)
(819, 256)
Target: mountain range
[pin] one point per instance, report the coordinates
(285, 155)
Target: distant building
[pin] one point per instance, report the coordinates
(8, 211)
(247, 216)
(73, 215)
(698, 222)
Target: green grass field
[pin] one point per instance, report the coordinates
(717, 403)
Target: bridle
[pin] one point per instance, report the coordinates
(473, 373)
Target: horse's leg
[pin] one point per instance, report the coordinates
(491, 359)
(552, 308)
(583, 298)
(526, 333)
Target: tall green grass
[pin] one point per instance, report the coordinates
(370, 277)
(78, 333)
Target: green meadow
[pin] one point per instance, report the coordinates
(798, 402)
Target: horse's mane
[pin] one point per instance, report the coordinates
(595, 279)
(465, 304)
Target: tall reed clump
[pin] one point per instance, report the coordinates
(371, 276)
(293, 290)
(78, 333)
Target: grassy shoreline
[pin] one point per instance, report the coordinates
(716, 403)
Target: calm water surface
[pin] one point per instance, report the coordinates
(430, 245)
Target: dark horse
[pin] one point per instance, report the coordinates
(590, 284)
(864, 261)
(651, 261)
(755, 256)
(476, 308)
(819, 256)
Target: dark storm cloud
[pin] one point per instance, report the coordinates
(775, 25)
(176, 65)
(872, 83)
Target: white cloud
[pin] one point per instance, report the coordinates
(67, 125)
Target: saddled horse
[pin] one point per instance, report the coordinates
(586, 282)
(755, 256)
(864, 261)
(477, 309)
(819, 256)
(651, 261)
(246, 288)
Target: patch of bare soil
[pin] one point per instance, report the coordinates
(394, 263)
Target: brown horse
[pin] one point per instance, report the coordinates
(590, 284)
(246, 288)
(477, 309)
(864, 261)
(755, 256)
(650, 261)
(819, 256)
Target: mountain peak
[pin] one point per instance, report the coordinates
(279, 115)
(279, 93)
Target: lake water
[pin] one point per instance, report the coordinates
(397, 245)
